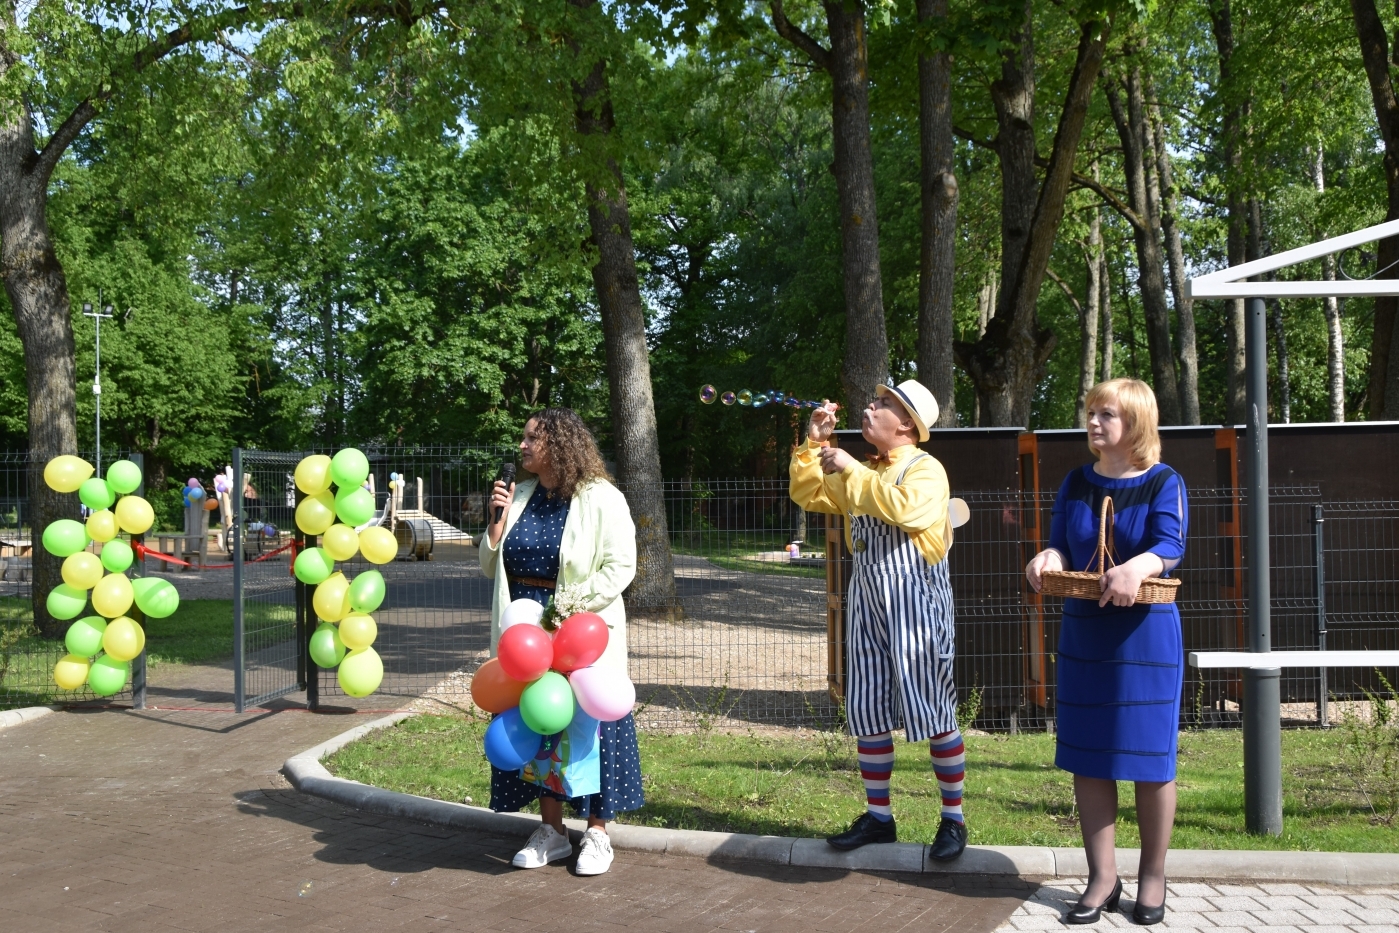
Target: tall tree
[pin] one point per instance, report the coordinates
(1335, 337)
(939, 207)
(847, 62)
(1234, 101)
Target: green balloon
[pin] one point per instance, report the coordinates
(124, 476)
(367, 591)
(547, 704)
(108, 675)
(65, 602)
(354, 506)
(65, 537)
(327, 649)
(349, 468)
(96, 494)
(313, 566)
(155, 597)
(361, 672)
(117, 555)
(84, 636)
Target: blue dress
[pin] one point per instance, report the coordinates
(1121, 669)
(532, 550)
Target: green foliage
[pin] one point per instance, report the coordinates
(1371, 758)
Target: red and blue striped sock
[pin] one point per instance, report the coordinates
(950, 766)
(876, 753)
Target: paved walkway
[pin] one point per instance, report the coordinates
(166, 820)
(1225, 908)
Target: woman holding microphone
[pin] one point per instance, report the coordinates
(1121, 663)
(564, 524)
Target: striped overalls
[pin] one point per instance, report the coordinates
(900, 638)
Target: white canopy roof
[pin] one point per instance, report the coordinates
(1230, 282)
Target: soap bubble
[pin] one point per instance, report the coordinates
(728, 398)
(708, 394)
(760, 400)
(794, 402)
(745, 398)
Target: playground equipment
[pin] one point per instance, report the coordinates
(416, 529)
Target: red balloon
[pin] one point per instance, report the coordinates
(580, 641)
(492, 690)
(525, 652)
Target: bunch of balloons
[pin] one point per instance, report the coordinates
(748, 399)
(101, 647)
(538, 682)
(344, 638)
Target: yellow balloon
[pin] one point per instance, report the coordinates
(113, 595)
(135, 515)
(102, 525)
(123, 639)
(66, 473)
(313, 474)
(358, 630)
(341, 542)
(82, 570)
(378, 545)
(332, 598)
(316, 513)
(70, 672)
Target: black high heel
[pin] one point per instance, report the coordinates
(1079, 914)
(1149, 916)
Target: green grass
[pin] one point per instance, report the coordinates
(200, 631)
(728, 549)
(808, 785)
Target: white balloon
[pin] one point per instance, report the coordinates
(521, 612)
(958, 512)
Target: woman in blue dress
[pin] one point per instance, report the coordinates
(1121, 665)
(564, 524)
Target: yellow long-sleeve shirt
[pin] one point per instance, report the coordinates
(918, 505)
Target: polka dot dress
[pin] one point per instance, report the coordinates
(532, 550)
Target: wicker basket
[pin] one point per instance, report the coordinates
(1084, 584)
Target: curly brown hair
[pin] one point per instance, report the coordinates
(571, 449)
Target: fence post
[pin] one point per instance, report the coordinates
(138, 664)
(1262, 699)
(306, 667)
(1323, 717)
(235, 498)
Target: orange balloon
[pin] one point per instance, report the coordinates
(493, 691)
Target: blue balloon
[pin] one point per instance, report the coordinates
(509, 742)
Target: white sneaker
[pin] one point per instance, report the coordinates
(595, 857)
(544, 846)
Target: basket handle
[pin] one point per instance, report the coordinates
(1107, 547)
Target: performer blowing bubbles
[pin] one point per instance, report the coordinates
(899, 640)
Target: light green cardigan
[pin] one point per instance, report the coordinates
(598, 551)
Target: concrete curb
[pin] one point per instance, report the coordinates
(14, 717)
(309, 776)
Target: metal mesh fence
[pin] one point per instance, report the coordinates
(27, 659)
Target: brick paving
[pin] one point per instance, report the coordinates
(164, 820)
(1229, 908)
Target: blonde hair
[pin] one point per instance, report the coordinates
(1137, 408)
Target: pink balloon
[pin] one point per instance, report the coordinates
(525, 652)
(603, 692)
(580, 641)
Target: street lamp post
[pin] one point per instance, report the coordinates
(97, 317)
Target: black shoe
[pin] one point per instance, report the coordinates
(949, 842)
(866, 829)
(1081, 914)
(1149, 916)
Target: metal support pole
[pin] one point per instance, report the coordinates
(138, 664)
(1323, 717)
(1262, 704)
(235, 498)
(308, 671)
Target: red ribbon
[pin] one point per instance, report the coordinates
(143, 552)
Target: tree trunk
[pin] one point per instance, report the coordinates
(1105, 314)
(1187, 356)
(1007, 362)
(1088, 315)
(38, 293)
(1235, 114)
(1138, 158)
(628, 363)
(1335, 339)
(1284, 394)
(939, 245)
(1374, 50)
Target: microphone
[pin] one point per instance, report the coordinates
(507, 476)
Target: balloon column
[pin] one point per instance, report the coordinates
(102, 646)
(537, 682)
(747, 398)
(336, 504)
